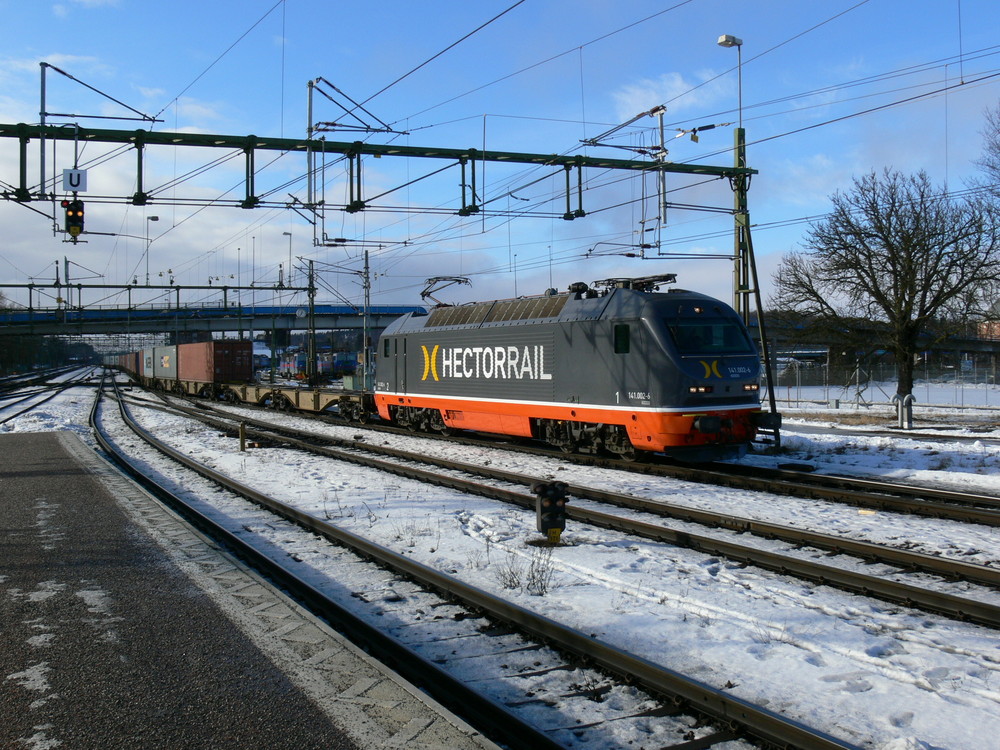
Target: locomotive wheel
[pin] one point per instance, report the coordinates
(630, 454)
(349, 411)
(559, 435)
(407, 417)
(437, 424)
(618, 443)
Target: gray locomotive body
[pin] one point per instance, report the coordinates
(626, 370)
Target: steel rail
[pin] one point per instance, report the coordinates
(865, 493)
(869, 493)
(25, 380)
(906, 559)
(950, 605)
(53, 391)
(732, 712)
(870, 485)
(901, 498)
(488, 716)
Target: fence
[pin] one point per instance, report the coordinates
(968, 385)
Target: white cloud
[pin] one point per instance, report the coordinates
(151, 93)
(63, 10)
(195, 112)
(674, 90)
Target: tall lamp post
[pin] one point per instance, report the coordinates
(728, 40)
(745, 280)
(148, 243)
(741, 251)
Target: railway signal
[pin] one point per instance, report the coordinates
(550, 509)
(74, 217)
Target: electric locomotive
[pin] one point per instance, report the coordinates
(618, 366)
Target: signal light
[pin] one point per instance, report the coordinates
(550, 508)
(74, 217)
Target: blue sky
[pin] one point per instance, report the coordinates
(830, 90)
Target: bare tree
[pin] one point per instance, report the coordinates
(989, 162)
(900, 255)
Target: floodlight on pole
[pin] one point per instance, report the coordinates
(728, 40)
(148, 243)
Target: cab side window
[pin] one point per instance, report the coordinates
(622, 339)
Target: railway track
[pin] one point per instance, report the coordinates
(887, 586)
(862, 493)
(727, 716)
(39, 378)
(36, 394)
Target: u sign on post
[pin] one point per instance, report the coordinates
(75, 180)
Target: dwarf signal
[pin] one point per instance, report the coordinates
(550, 509)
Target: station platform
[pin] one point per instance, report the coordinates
(122, 627)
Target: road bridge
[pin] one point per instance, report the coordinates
(179, 321)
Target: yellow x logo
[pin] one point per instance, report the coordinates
(430, 362)
(710, 369)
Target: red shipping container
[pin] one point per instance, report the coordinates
(224, 361)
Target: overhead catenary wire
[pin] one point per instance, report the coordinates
(547, 60)
(816, 26)
(628, 26)
(745, 62)
(220, 57)
(438, 54)
(940, 63)
(896, 103)
(550, 196)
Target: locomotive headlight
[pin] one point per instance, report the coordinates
(700, 389)
(751, 387)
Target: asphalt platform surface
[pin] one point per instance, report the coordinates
(121, 627)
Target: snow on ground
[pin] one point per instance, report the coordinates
(914, 456)
(876, 675)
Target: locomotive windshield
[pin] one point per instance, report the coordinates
(709, 336)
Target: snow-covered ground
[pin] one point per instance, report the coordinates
(873, 674)
(915, 455)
